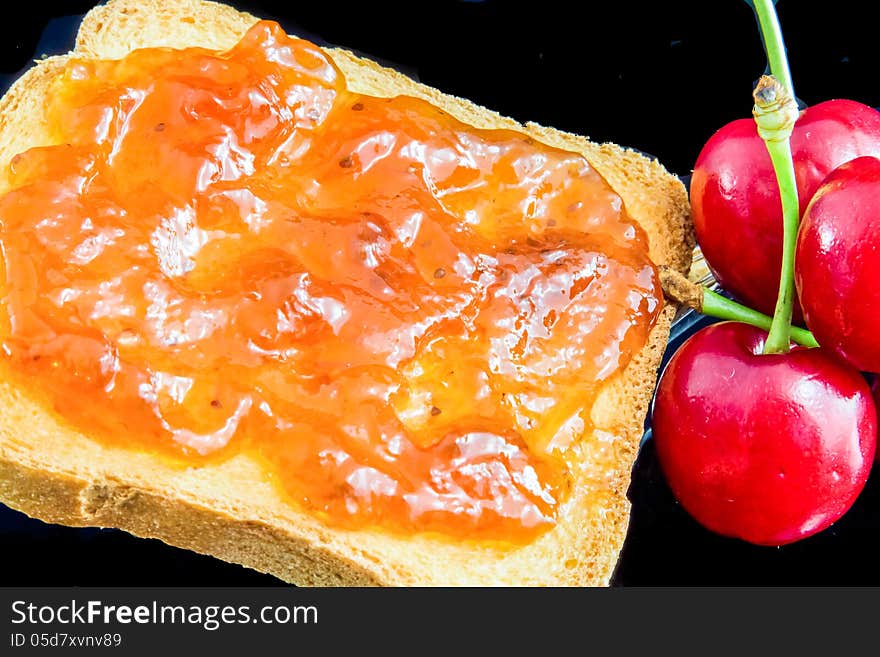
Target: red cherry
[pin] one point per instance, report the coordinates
(837, 263)
(735, 197)
(875, 391)
(769, 449)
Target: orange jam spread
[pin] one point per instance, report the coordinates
(404, 318)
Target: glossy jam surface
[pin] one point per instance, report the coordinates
(403, 317)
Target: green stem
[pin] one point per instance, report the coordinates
(775, 113)
(721, 307)
(780, 154)
(681, 290)
(773, 43)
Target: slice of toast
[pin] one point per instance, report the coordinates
(231, 510)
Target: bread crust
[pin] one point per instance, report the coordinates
(230, 510)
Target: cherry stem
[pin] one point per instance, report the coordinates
(771, 33)
(721, 307)
(683, 291)
(775, 113)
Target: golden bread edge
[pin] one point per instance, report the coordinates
(54, 473)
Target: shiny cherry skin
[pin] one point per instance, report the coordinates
(735, 197)
(837, 260)
(875, 390)
(769, 449)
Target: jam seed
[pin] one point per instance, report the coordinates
(439, 272)
(346, 162)
(357, 107)
(435, 411)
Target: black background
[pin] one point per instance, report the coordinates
(657, 76)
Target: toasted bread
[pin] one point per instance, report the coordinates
(229, 509)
